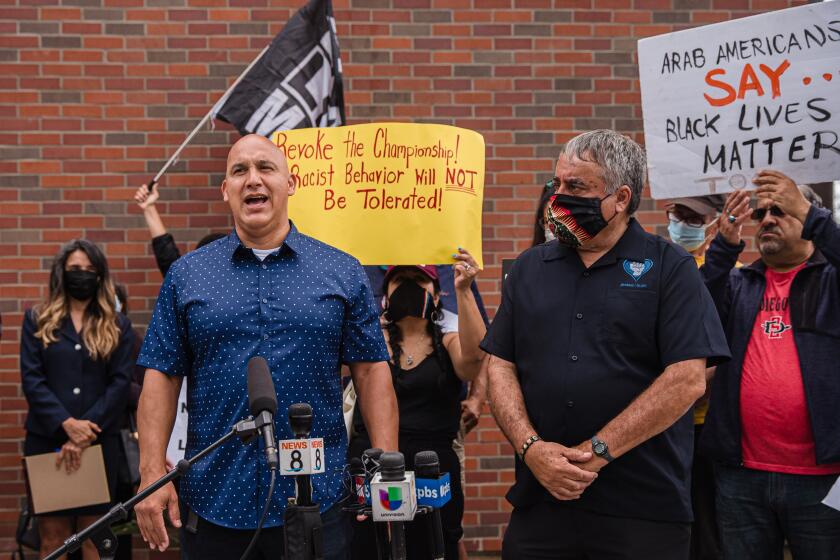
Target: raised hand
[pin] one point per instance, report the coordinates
(735, 212)
(782, 191)
(144, 198)
(466, 269)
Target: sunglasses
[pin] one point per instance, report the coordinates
(694, 221)
(759, 213)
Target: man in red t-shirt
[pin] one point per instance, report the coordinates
(772, 407)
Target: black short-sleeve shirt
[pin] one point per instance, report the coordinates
(587, 342)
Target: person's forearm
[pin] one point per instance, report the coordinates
(155, 418)
(824, 232)
(507, 402)
(153, 221)
(478, 386)
(657, 408)
(375, 392)
(471, 328)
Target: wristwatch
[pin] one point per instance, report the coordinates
(600, 448)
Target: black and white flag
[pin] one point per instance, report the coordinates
(297, 81)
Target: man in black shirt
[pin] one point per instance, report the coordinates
(599, 351)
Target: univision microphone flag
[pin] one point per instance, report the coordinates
(297, 81)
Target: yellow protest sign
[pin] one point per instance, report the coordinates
(388, 193)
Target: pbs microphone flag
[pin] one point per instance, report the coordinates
(297, 81)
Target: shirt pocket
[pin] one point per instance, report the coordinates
(630, 321)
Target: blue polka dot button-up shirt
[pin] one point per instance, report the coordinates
(306, 309)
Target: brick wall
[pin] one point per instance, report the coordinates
(94, 95)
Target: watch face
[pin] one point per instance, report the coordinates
(599, 447)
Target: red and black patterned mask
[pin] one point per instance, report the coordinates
(575, 220)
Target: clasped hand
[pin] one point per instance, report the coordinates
(564, 471)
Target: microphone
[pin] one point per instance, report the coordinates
(300, 420)
(357, 475)
(392, 469)
(262, 402)
(427, 465)
(370, 462)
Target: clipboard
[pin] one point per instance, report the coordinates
(53, 489)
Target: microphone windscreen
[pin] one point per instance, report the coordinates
(426, 464)
(392, 466)
(261, 395)
(300, 419)
(373, 453)
(356, 466)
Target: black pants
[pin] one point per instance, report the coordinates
(418, 546)
(213, 542)
(705, 543)
(549, 530)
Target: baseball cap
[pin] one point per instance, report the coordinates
(699, 204)
(427, 269)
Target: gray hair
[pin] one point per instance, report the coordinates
(622, 160)
(811, 195)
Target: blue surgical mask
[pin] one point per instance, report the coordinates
(686, 236)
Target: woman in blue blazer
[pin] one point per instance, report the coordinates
(75, 361)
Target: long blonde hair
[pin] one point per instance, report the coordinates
(100, 331)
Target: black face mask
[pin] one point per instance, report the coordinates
(409, 299)
(576, 219)
(81, 284)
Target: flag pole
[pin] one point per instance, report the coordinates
(203, 121)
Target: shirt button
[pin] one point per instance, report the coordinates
(586, 274)
(265, 300)
(574, 358)
(265, 266)
(78, 347)
(76, 390)
(579, 315)
(570, 404)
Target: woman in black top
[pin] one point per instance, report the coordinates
(428, 370)
(75, 360)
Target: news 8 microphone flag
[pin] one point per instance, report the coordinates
(296, 83)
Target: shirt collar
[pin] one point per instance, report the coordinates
(758, 266)
(631, 245)
(293, 242)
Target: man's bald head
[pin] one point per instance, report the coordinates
(251, 143)
(257, 186)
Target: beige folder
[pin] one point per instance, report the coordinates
(53, 489)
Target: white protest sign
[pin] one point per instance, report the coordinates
(832, 500)
(724, 101)
(178, 438)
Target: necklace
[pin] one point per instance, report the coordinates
(409, 357)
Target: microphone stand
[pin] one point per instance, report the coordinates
(303, 530)
(100, 531)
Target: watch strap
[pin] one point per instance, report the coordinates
(605, 454)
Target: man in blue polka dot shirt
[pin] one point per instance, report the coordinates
(264, 290)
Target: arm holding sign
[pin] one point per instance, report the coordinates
(723, 252)
(463, 347)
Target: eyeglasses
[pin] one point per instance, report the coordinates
(694, 221)
(759, 213)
